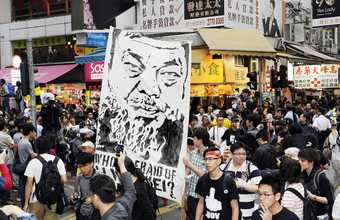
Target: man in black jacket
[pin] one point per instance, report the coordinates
(296, 137)
(265, 155)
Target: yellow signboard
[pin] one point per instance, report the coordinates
(37, 91)
(238, 75)
(209, 71)
(213, 90)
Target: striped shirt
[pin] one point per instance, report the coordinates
(253, 176)
(197, 160)
(291, 201)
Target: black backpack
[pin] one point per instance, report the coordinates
(49, 188)
(152, 195)
(308, 211)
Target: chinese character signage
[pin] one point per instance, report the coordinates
(242, 14)
(326, 13)
(209, 71)
(203, 13)
(161, 14)
(316, 76)
(238, 75)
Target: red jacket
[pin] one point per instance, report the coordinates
(5, 178)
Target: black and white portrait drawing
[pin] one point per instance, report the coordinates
(145, 98)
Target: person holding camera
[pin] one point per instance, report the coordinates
(103, 190)
(84, 209)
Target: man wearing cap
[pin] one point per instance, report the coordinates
(233, 133)
(87, 147)
(218, 196)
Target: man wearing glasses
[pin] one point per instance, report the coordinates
(269, 196)
(218, 197)
(247, 177)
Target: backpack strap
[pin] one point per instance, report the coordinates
(42, 160)
(55, 161)
(224, 184)
(227, 166)
(316, 180)
(297, 193)
(248, 169)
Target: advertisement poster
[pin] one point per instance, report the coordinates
(204, 13)
(316, 76)
(93, 71)
(242, 14)
(145, 107)
(161, 14)
(101, 14)
(271, 14)
(325, 13)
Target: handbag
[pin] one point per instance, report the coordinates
(18, 167)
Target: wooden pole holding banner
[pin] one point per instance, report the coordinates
(31, 79)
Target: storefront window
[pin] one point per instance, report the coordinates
(48, 50)
(27, 9)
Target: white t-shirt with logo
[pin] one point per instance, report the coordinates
(34, 169)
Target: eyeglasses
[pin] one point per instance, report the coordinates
(209, 159)
(264, 194)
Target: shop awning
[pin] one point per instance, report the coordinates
(96, 56)
(293, 57)
(307, 51)
(5, 73)
(244, 42)
(46, 74)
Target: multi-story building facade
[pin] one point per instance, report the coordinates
(298, 28)
(48, 23)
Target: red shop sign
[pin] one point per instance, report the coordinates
(94, 71)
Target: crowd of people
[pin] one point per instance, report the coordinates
(38, 160)
(245, 161)
(264, 161)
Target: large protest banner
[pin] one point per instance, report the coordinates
(145, 107)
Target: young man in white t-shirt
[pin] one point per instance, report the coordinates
(33, 174)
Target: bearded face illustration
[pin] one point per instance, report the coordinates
(143, 73)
